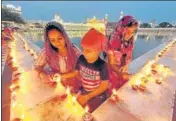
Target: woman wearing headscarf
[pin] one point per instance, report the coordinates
(119, 49)
(59, 54)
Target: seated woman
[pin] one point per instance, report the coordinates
(59, 54)
(119, 51)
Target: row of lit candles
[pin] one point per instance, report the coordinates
(162, 52)
(71, 98)
(151, 68)
(26, 47)
(60, 88)
(16, 72)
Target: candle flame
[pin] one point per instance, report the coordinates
(148, 71)
(86, 108)
(68, 90)
(151, 62)
(12, 86)
(35, 56)
(113, 97)
(160, 78)
(22, 116)
(161, 66)
(74, 99)
(13, 93)
(14, 104)
(31, 51)
(20, 70)
(165, 74)
(14, 60)
(22, 77)
(138, 82)
(57, 78)
(140, 76)
(114, 91)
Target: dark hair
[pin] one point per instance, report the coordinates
(130, 23)
(49, 28)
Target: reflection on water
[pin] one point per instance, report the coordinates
(143, 43)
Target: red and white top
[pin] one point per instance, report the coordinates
(92, 74)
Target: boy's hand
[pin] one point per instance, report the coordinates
(83, 99)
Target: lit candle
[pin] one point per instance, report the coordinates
(68, 90)
(14, 104)
(114, 96)
(142, 87)
(60, 88)
(12, 86)
(15, 88)
(148, 70)
(13, 96)
(87, 116)
(138, 82)
(75, 109)
(86, 108)
(144, 79)
(114, 91)
(136, 85)
(17, 74)
(22, 116)
(154, 66)
(35, 56)
(161, 67)
(13, 93)
(151, 62)
(14, 61)
(74, 100)
(159, 80)
(165, 74)
(57, 78)
(31, 51)
(154, 72)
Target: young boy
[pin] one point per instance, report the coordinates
(92, 70)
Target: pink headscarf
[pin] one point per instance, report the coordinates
(52, 56)
(120, 30)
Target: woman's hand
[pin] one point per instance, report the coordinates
(44, 77)
(126, 76)
(41, 74)
(124, 68)
(55, 77)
